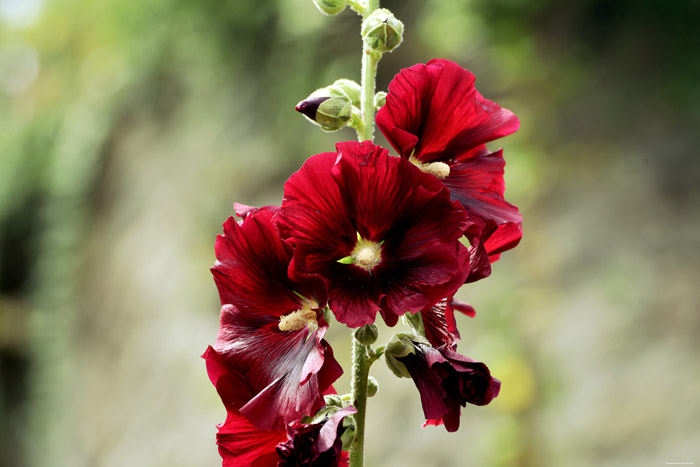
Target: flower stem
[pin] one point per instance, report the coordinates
(360, 360)
(360, 374)
(370, 59)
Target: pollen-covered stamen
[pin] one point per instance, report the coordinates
(440, 169)
(367, 254)
(368, 257)
(304, 316)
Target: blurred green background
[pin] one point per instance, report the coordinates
(130, 127)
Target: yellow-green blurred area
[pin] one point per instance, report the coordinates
(129, 127)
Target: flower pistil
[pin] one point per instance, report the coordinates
(366, 254)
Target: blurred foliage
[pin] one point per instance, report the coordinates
(129, 128)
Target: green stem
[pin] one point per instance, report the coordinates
(370, 59)
(360, 360)
(360, 374)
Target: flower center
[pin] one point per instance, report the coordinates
(304, 316)
(440, 169)
(368, 257)
(366, 254)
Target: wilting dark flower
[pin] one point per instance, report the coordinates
(448, 381)
(383, 235)
(271, 331)
(242, 444)
(315, 444)
(434, 117)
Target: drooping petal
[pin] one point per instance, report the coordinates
(448, 381)
(360, 196)
(440, 325)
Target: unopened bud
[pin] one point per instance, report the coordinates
(372, 386)
(367, 335)
(379, 100)
(348, 87)
(381, 31)
(330, 110)
(399, 346)
(330, 7)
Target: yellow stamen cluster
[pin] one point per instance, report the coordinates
(366, 254)
(440, 169)
(304, 316)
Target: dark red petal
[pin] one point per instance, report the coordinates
(438, 104)
(464, 307)
(244, 211)
(477, 183)
(240, 443)
(243, 445)
(429, 384)
(281, 367)
(251, 267)
(440, 325)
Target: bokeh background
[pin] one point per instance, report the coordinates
(129, 127)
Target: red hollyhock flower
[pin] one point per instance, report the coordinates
(271, 328)
(435, 117)
(382, 234)
(315, 444)
(448, 381)
(242, 444)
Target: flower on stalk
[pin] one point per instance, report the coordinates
(272, 329)
(242, 444)
(445, 379)
(436, 118)
(383, 235)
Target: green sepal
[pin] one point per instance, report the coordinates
(330, 7)
(347, 260)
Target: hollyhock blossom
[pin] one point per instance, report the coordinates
(448, 381)
(383, 235)
(434, 117)
(271, 330)
(242, 444)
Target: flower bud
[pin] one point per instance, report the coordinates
(330, 7)
(328, 108)
(381, 31)
(372, 386)
(379, 100)
(348, 87)
(399, 346)
(333, 400)
(367, 335)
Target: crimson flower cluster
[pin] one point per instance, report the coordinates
(360, 233)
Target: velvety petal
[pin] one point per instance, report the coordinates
(441, 373)
(315, 445)
(281, 367)
(362, 191)
(433, 112)
(251, 268)
(477, 183)
(240, 443)
(440, 325)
